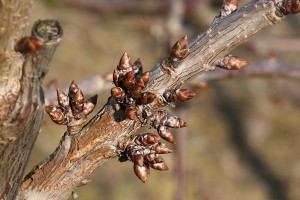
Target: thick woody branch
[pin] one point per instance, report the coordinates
(109, 131)
(23, 65)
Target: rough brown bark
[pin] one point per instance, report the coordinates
(78, 155)
(21, 96)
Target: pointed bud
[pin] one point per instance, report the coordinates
(150, 158)
(142, 172)
(179, 95)
(56, 115)
(73, 89)
(89, 105)
(138, 159)
(116, 77)
(180, 49)
(136, 91)
(173, 121)
(78, 100)
(62, 98)
(29, 45)
(125, 62)
(161, 148)
(228, 7)
(147, 97)
(117, 93)
(147, 139)
(230, 62)
(159, 166)
(137, 67)
(131, 112)
(165, 134)
(143, 79)
(128, 80)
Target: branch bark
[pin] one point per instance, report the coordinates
(21, 96)
(80, 154)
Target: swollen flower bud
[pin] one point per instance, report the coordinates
(131, 112)
(117, 93)
(125, 62)
(29, 45)
(180, 49)
(142, 172)
(230, 62)
(165, 133)
(147, 97)
(128, 80)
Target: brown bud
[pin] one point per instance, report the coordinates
(29, 45)
(290, 7)
(116, 77)
(162, 148)
(62, 98)
(230, 62)
(136, 91)
(89, 105)
(131, 112)
(128, 80)
(117, 93)
(180, 49)
(151, 157)
(78, 100)
(56, 115)
(147, 97)
(147, 139)
(179, 95)
(143, 79)
(159, 166)
(165, 134)
(142, 172)
(228, 7)
(137, 67)
(172, 121)
(125, 62)
(73, 89)
(137, 159)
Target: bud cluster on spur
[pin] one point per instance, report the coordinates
(130, 80)
(72, 109)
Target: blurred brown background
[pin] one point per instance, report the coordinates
(243, 138)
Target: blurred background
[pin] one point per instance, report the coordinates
(243, 139)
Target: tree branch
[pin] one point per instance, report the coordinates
(109, 131)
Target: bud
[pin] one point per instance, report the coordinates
(128, 80)
(228, 7)
(56, 115)
(116, 77)
(142, 172)
(125, 62)
(173, 122)
(137, 159)
(147, 97)
(162, 148)
(147, 139)
(89, 105)
(230, 62)
(29, 45)
(131, 112)
(165, 133)
(77, 101)
(117, 93)
(180, 49)
(62, 98)
(179, 95)
(159, 166)
(137, 67)
(143, 79)
(73, 89)
(136, 91)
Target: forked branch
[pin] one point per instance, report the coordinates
(137, 101)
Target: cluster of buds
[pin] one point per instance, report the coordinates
(230, 62)
(72, 109)
(162, 122)
(144, 153)
(228, 7)
(130, 80)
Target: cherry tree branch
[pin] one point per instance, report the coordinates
(110, 131)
